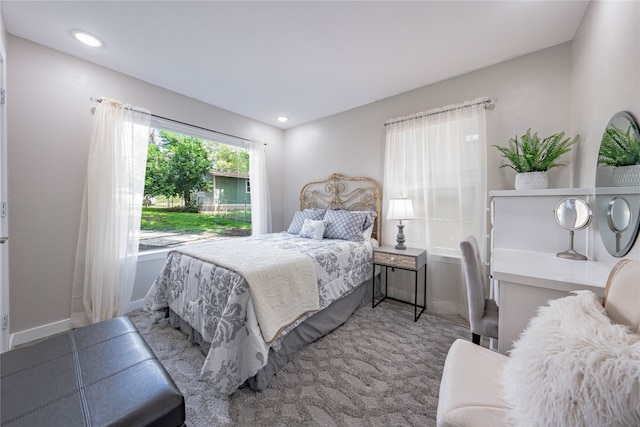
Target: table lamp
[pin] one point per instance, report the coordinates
(400, 209)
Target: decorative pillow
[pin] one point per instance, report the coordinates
(369, 220)
(312, 229)
(345, 225)
(366, 234)
(573, 367)
(300, 216)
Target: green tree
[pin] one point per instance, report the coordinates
(229, 159)
(188, 165)
(155, 179)
(177, 165)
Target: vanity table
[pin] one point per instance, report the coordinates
(525, 271)
(530, 262)
(528, 280)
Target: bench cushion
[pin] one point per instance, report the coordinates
(99, 375)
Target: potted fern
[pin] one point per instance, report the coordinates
(531, 157)
(621, 150)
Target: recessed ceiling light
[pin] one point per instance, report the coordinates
(283, 118)
(87, 38)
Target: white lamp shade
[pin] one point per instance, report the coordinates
(400, 209)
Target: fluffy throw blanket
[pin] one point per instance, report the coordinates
(573, 367)
(282, 282)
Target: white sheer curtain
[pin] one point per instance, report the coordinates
(107, 249)
(438, 159)
(260, 201)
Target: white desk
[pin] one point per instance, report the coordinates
(527, 280)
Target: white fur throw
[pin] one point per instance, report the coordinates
(573, 367)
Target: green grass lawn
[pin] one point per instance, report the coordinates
(158, 219)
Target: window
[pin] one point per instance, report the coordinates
(438, 159)
(195, 188)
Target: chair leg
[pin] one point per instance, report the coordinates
(475, 338)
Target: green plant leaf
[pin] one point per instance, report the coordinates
(619, 147)
(529, 153)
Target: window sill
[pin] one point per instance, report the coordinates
(153, 254)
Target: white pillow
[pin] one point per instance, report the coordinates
(573, 367)
(312, 229)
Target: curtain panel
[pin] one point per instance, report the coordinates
(260, 200)
(438, 160)
(107, 248)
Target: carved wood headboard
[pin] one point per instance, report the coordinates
(342, 192)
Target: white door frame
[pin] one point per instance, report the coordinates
(4, 216)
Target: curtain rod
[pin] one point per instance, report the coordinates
(489, 105)
(187, 124)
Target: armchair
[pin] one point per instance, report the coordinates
(473, 389)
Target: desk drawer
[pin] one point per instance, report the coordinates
(402, 261)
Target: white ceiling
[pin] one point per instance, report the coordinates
(303, 59)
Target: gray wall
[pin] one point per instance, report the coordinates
(574, 87)
(532, 91)
(605, 80)
(49, 122)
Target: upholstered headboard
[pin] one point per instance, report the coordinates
(342, 192)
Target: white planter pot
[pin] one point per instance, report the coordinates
(531, 180)
(626, 176)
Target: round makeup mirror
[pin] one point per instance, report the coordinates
(617, 203)
(572, 214)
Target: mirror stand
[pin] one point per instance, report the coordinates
(571, 253)
(618, 239)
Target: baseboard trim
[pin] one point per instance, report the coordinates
(135, 305)
(39, 332)
(44, 331)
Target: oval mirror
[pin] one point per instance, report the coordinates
(573, 214)
(618, 214)
(618, 185)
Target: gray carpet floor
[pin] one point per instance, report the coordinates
(378, 369)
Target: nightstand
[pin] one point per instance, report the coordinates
(411, 259)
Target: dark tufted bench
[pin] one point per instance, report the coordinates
(100, 375)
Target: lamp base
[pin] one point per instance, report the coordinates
(400, 238)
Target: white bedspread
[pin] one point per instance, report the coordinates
(282, 282)
(217, 302)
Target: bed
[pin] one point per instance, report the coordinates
(252, 303)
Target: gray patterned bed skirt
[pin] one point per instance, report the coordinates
(308, 331)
